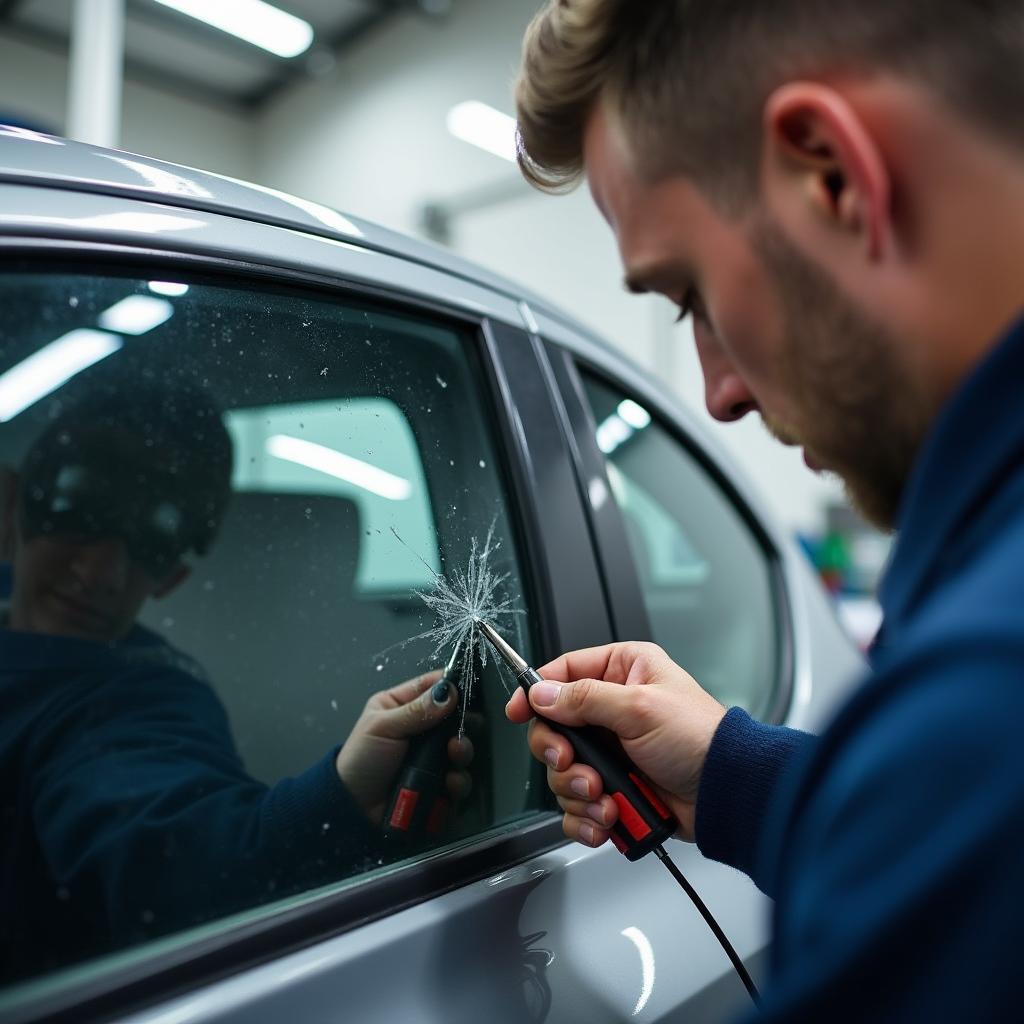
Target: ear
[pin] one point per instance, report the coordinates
(823, 168)
(8, 512)
(172, 581)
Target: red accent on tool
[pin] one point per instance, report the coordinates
(644, 786)
(630, 817)
(404, 807)
(618, 843)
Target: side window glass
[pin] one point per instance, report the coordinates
(220, 508)
(705, 578)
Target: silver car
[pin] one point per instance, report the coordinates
(389, 408)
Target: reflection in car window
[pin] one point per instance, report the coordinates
(216, 506)
(705, 579)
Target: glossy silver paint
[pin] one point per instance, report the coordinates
(571, 935)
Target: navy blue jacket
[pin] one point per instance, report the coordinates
(894, 844)
(125, 811)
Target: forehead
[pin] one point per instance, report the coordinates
(655, 222)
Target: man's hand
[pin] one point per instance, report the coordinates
(369, 761)
(663, 718)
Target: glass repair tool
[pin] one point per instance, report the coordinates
(644, 820)
(418, 808)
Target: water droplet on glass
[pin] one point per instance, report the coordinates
(483, 465)
(73, 302)
(334, 705)
(323, 372)
(443, 383)
(167, 622)
(380, 668)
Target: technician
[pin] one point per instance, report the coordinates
(834, 189)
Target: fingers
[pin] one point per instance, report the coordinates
(611, 662)
(584, 830)
(518, 708)
(436, 699)
(460, 751)
(601, 812)
(459, 785)
(401, 694)
(593, 702)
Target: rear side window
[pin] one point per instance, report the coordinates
(705, 577)
(218, 507)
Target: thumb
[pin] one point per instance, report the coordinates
(419, 714)
(589, 702)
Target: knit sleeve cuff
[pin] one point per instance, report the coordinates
(743, 766)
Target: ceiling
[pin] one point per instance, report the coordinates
(176, 52)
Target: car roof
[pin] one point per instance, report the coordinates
(31, 158)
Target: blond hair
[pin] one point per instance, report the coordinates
(688, 78)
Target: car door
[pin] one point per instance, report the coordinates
(386, 423)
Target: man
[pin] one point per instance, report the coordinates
(834, 189)
(126, 809)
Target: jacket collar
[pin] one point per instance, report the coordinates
(976, 439)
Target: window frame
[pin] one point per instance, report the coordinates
(523, 449)
(614, 553)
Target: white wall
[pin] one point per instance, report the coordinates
(370, 139)
(34, 83)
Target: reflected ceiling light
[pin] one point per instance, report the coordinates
(53, 365)
(635, 415)
(646, 951)
(169, 288)
(136, 223)
(256, 22)
(613, 432)
(16, 132)
(136, 314)
(483, 126)
(343, 467)
(160, 179)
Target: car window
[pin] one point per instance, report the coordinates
(219, 503)
(706, 579)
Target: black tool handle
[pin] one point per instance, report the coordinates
(644, 820)
(419, 803)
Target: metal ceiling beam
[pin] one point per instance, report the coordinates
(353, 34)
(135, 70)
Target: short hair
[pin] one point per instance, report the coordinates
(169, 438)
(688, 79)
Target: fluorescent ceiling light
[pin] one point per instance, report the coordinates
(483, 126)
(256, 22)
(55, 364)
(169, 288)
(136, 314)
(344, 467)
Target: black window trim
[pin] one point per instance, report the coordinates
(154, 979)
(618, 563)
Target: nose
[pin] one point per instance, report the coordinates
(726, 394)
(102, 565)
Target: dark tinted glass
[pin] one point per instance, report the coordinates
(705, 578)
(219, 504)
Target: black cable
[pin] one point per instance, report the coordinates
(731, 953)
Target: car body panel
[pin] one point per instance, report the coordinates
(568, 934)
